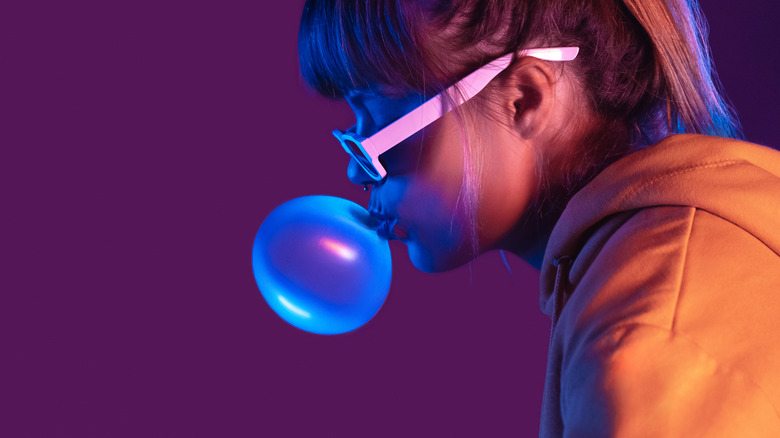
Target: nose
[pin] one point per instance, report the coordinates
(357, 175)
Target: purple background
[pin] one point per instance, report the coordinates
(142, 145)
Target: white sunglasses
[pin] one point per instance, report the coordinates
(366, 151)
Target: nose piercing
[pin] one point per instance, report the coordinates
(365, 187)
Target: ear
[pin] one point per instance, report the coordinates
(531, 96)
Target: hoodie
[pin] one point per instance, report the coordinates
(662, 279)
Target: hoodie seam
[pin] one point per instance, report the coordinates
(674, 332)
(683, 263)
(650, 182)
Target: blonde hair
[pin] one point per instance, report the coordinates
(679, 33)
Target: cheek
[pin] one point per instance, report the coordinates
(438, 236)
(434, 154)
(431, 205)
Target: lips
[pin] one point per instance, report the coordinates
(387, 226)
(385, 231)
(387, 219)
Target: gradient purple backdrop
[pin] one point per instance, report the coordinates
(142, 145)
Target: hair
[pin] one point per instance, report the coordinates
(644, 66)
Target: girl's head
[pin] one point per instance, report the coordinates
(496, 172)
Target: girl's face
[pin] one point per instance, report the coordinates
(421, 201)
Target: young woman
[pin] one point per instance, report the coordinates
(591, 139)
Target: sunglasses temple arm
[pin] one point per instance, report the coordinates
(552, 53)
(438, 106)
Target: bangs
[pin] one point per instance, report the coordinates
(356, 45)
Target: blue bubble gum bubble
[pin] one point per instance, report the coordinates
(320, 264)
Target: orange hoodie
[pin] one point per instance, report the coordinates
(662, 278)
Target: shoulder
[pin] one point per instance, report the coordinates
(666, 265)
(672, 307)
(645, 381)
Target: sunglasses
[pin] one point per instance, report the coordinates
(366, 150)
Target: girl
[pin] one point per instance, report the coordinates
(591, 139)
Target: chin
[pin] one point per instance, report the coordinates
(433, 262)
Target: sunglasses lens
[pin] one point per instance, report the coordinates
(362, 159)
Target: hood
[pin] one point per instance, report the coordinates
(735, 180)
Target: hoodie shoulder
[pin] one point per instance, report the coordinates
(672, 313)
(734, 180)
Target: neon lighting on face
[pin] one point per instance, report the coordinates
(338, 249)
(293, 308)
